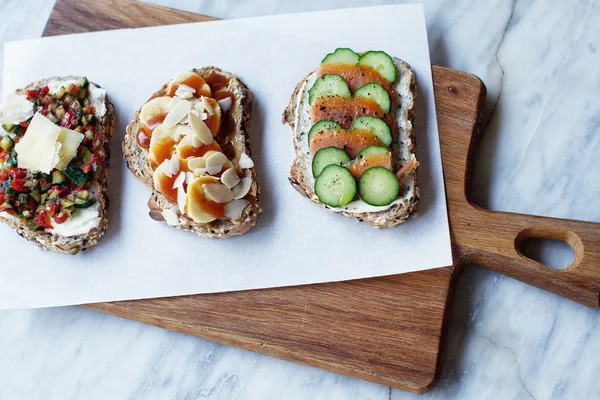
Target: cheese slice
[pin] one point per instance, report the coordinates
(36, 150)
(69, 141)
(16, 109)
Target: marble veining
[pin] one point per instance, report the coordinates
(506, 340)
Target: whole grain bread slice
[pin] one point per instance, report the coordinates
(403, 149)
(73, 244)
(137, 161)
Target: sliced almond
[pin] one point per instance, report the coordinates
(225, 104)
(189, 177)
(198, 105)
(170, 217)
(179, 180)
(196, 162)
(235, 208)
(180, 131)
(185, 88)
(214, 162)
(218, 193)
(200, 129)
(207, 107)
(245, 161)
(173, 101)
(199, 171)
(242, 188)
(165, 168)
(181, 199)
(177, 113)
(184, 94)
(230, 178)
(174, 164)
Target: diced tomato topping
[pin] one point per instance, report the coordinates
(18, 185)
(60, 217)
(69, 120)
(72, 88)
(18, 173)
(42, 219)
(44, 91)
(31, 94)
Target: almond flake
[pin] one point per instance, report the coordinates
(173, 101)
(199, 171)
(181, 199)
(174, 164)
(165, 168)
(179, 180)
(207, 107)
(200, 129)
(245, 161)
(177, 113)
(234, 209)
(218, 193)
(189, 177)
(230, 178)
(242, 188)
(170, 217)
(185, 88)
(225, 104)
(196, 162)
(214, 163)
(181, 130)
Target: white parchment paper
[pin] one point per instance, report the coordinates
(294, 242)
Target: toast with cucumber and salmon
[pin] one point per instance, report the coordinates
(189, 143)
(54, 158)
(352, 123)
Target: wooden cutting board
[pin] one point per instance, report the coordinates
(386, 330)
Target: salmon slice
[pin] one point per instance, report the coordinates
(412, 164)
(353, 142)
(357, 76)
(360, 165)
(344, 110)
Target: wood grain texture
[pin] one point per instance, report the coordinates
(386, 330)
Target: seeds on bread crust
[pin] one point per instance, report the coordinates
(188, 161)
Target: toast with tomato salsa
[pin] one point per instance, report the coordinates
(54, 158)
(189, 143)
(352, 123)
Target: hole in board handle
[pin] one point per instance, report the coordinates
(555, 254)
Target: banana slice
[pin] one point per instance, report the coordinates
(198, 203)
(161, 144)
(155, 111)
(191, 80)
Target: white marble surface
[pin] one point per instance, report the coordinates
(539, 60)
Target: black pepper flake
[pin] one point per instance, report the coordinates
(322, 108)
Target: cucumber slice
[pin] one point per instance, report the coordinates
(342, 55)
(58, 178)
(336, 186)
(381, 62)
(378, 186)
(328, 156)
(376, 92)
(329, 85)
(375, 125)
(372, 150)
(84, 203)
(324, 125)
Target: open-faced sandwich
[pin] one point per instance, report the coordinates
(189, 142)
(54, 154)
(353, 135)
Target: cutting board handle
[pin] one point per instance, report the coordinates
(499, 248)
(493, 239)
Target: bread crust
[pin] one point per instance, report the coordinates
(300, 176)
(74, 244)
(139, 164)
